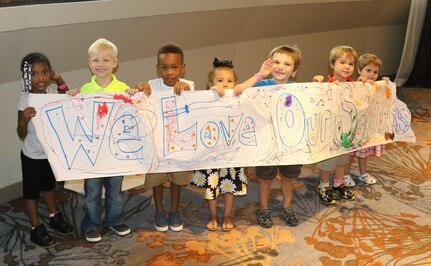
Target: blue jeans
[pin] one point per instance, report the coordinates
(114, 202)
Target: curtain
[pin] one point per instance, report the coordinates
(421, 72)
(414, 27)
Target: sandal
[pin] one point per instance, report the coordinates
(212, 225)
(227, 224)
(348, 181)
(367, 178)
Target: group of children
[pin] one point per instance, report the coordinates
(281, 67)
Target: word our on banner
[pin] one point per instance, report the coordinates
(107, 134)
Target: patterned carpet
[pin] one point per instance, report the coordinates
(388, 223)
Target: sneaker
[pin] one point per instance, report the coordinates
(175, 223)
(265, 218)
(40, 237)
(120, 229)
(93, 236)
(289, 217)
(367, 178)
(326, 195)
(344, 192)
(59, 224)
(161, 222)
(348, 180)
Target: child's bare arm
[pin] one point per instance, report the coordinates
(264, 72)
(61, 84)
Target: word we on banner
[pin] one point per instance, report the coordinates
(94, 135)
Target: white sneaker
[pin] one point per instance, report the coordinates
(367, 178)
(348, 181)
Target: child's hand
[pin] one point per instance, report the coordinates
(55, 76)
(180, 86)
(145, 87)
(387, 79)
(72, 92)
(28, 114)
(238, 89)
(218, 89)
(363, 80)
(318, 78)
(132, 92)
(265, 69)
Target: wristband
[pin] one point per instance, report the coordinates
(62, 87)
(258, 77)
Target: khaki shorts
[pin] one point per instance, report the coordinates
(270, 172)
(179, 178)
(330, 164)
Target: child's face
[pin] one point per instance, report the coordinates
(283, 67)
(40, 77)
(170, 67)
(223, 77)
(343, 68)
(102, 64)
(369, 72)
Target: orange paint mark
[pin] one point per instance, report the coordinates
(388, 93)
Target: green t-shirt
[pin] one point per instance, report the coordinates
(114, 86)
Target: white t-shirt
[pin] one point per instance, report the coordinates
(158, 85)
(32, 147)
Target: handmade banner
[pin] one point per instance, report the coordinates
(94, 135)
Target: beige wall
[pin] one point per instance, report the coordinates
(244, 31)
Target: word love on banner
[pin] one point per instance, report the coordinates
(94, 135)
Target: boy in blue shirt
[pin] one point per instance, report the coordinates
(282, 65)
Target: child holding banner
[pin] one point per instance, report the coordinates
(170, 66)
(227, 181)
(37, 175)
(342, 60)
(102, 60)
(282, 65)
(369, 66)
